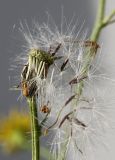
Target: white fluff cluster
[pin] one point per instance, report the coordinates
(79, 121)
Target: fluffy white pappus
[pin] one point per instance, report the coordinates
(79, 122)
(56, 145)
(82, 143)
(96, 114)
(66, 137)
(47, 36)
(54, 95)
(90, 123)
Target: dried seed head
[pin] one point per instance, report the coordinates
(57, 65)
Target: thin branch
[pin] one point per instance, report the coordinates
(100, 16)
(108, 20)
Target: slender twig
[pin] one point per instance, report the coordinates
(98, 23)
(101, 20)
(109, 20)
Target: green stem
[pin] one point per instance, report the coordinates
(109, 20)
(94, 37)
(99, 20)
(35, 129)
(99, 25)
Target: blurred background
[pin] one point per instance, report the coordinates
(14, 11)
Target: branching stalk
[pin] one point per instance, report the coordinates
(100, 23)
(99, 20)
